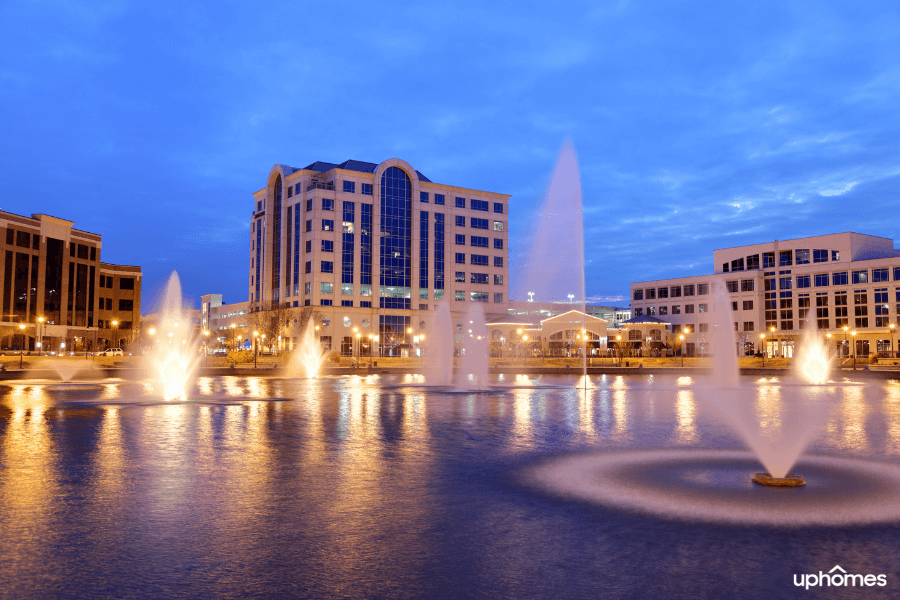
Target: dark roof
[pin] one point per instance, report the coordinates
(644, 320)
(349, 165)
(288, 169)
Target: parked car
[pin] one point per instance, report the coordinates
(112, 352)
(14, 350)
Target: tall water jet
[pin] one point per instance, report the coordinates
(813, 358)
(309, 359)
(438, 360)
(554, 257)
(175, 354)
(473, 360)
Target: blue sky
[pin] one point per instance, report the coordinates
(697, 125)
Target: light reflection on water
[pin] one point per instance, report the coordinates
(357, 483)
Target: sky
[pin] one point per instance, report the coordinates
(697, 125)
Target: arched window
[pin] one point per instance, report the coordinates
(634, 335)
(655, 335)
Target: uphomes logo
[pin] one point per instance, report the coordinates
(838, 577)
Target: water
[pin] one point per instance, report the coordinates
(174, 352)
(308, 359)
(371, 486)
(472, 373)
(438, 348)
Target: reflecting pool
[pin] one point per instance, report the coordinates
(379, 486)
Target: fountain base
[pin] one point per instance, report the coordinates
(791, 480)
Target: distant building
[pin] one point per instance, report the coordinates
(846, 286)
(57, 294)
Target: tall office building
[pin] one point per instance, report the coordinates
(365, 242)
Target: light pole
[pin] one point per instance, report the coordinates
(618, 350)
(358, 335)
(233, 346)
(762, 344)
(892, 325)
(255, 348)
(853, 333)
(775, 341)
(22, 347)
(845, 335)
(115, 325)
(370, 350)
(40, 335)
(681, 344)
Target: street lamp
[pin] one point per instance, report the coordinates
(255, 348)
(233, 346)
(22, 347)
(681, 343)
(892, 325)
(762, 344)
(358, 335)
(115, 325)
(853, 333)
(41, 337)
(845, 335)
(618, 350)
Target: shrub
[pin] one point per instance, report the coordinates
(334, 357)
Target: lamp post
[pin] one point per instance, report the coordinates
(618, 350)
(681, 344)
(22, 347)
(762, 343)
(845, 335)
(40, 335)
(687, 332)
(358, 335)
(370, 349)
(255, 348)
(772, 329)
(115, 340)
(892, 325)
(853, 333)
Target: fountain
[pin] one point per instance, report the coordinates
(473, 360)
(175, 356)
(438, 361)
(308, 360)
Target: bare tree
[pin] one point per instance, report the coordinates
(276, 319)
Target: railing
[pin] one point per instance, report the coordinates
(320, 186)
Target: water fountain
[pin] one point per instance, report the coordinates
(175, 355)
(473, 360)
(309, 358)
(438, 359)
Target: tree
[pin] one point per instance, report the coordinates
(274, 319)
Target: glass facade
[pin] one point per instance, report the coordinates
(365, 245)
(423, 250)
(438, 253)
(396, 206)
(349, 220)
(276, 241)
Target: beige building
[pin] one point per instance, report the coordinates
(57, 294)
(375, 247)
(845, 285)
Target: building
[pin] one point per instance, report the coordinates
(613, 315)
(57, 293)
(845, 285)
(402, 244)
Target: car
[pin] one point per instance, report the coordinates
(112, 352)
(14, 350)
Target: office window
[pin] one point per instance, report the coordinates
(365, 303)
(309, 245)
(688, 289)
(498, 279)
(737, 264)
(326, 287)
(663, 310)
(328, 204)
(350, 187)
(650, 293)
(747, 285)
(460, 258)
(481, 205)
(753, 262)
(366, 189)
(840, 310)
(748, 325)
(498, 261)
(460, 277)
(702, 308)
(481, 278)
(731, 286)
(702, 289)
(675, 291)
(839, 278)
(309, 205)
(820, 256)
(896, 273)
(498, 225)
(478, 296)
(309, 267)
(480, 260)
(327, 224)
(880, 275)
(460, 239)
(768, 260)
(676, 310)
(327, 246)
(423, 197)
(478, 241)
(638, 294)
(498, 244)
(803, 281)
(662, 292)
(460, 221)
(309, 225)
(703, 328)
(801, 256)
(748, 305)
(439, 199)
(860, 277)
(460, 202)
(478, 223)
(327, 266)
(498, 297)
(326, 302)
(835, 255)
(498, 208)
(347, 303)
(821, 279)
(784, 258)
(725, 267)
(459, 296)
(688, 309)
(346, 289)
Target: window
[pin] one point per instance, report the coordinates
(498, 297)
(638, 294)
(748, 325)
(367, 189)
(125, 283)
(702, 289)
(675, 291)
(498, 261)
(308, 267)
(801, 256)
(768, 260)
(460, 277)
(498, 244)
(860, 277)
(350, 187)
(423, 196)
(784, 258)
(328, 204)
(839, 278)
(327, 246)
(747, 285)
(346, 289)
(820, 256)
(822, 311)
(460, 258)
(689, 290)
(821, 279)
(703, 328)
(348, 303)
(309, 205)
(439, 199)
(737, 264)
(748, 305)
(676, 310)
(802, 281)
(478, 242)
(896, 273)
(638, 312)
(753, 262)
(460, 239)
(481, 278)
(309, 225)
(702, 308)
(724, 267)
(460, 221)
(498, 208)
(651, 293)
(498, 279)
(478, 296)
(460, 202)
(126, 305)
(879, 275)
(840, 309)
(480, 260)
(498, 225)
(734, 305)
(688, 309)
(478, 223)
(365, 303)
(459, 296)
(731, 286)
(326, 302)
(663, 310)
(327, 267)
(481, 205)
(835, 256)
(327, 224)
(326, 287)
(662, 292)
